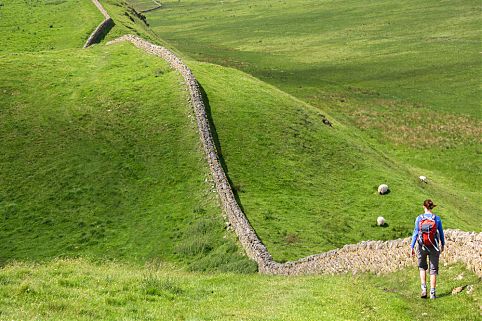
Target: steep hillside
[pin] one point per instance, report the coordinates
(307, 186)
(100, 158)
(405, 75)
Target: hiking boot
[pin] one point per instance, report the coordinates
(432, 295)
(424, 294)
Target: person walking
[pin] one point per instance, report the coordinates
(429, 235)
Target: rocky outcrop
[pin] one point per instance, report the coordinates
(102, 29)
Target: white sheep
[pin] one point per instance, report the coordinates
(382, 189)
(380, 221)
(423, 179)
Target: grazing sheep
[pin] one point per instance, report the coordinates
(423, 179)
(383, 189)
(380, 221)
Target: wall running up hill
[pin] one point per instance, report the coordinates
(369, 256)
(102, 28)
(248, 238)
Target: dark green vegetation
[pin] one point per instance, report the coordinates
(100, 158)
(127, 20)
(401, 80)
(79, 290)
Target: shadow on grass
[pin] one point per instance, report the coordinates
(444, 295)
(100, 36)
(214, 133)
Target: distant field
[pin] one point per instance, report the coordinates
(49, 25)
(425, 52)
(407, 74)
(79, 290)
(145, 4)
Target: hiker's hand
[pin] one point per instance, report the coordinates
(413, 252)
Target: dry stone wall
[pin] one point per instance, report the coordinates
(246, 234)
(383, 257)
(369, 256)
(158, 6)
(102, 28)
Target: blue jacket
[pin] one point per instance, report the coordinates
(438, 221)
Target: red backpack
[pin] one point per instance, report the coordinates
(427, 231)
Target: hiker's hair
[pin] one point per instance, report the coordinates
(429, 204)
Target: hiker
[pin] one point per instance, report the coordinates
(429, 235)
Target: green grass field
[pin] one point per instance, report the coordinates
(425, 53)
(144, 5)
(406, 75)
(306, 187)
(80, 290)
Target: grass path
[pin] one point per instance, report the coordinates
(81, 290)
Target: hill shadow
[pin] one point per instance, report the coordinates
(215, 136)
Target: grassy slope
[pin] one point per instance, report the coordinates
(79, 290)
(406, 74)
(307, 187)
(99, 158)
(110, 167)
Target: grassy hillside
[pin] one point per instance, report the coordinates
(100, 158)
(108, 164)
(79, 290)
(101, 163)
(305, 186)
(406, 74)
